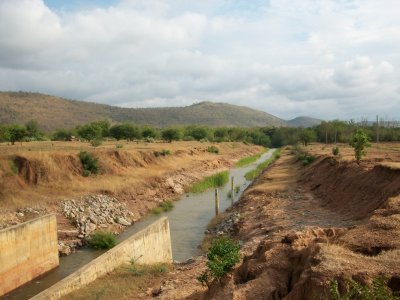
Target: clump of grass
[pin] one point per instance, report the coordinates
(257, 171)
(335, 151)
(13, 167)
(249, 159)
(237, 189)
(378, 290)
(102, 240)
(141, 270)
(229, 195)
(89, 163)
(156, 210)
(213, 149)
(303, 156)
(165, 206)
(119, 146)
(213, 181)
(163, 152)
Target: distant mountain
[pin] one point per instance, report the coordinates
(304, 122)
(54, 112)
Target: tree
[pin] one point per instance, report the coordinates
(306, 136)
(62, 135)
(125, 131)
(172, 134)
(16, 133)
(90, 131)
(149, 132)
(32, 129)
(360, 142)
(198, 132)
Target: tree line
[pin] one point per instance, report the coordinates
(327, 132)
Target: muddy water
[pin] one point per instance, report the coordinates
(188, 221)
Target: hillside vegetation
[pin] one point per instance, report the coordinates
(53, 113)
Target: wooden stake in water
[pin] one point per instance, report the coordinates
(232, 191)
(216, 202)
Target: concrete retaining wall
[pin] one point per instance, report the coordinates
(148, 246)
(27, 250)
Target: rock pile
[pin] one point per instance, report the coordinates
(96, 212)
(225, 227)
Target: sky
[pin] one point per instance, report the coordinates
(326, 59)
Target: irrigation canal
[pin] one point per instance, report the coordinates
(188, 221)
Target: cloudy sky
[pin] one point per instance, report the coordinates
(327, 59)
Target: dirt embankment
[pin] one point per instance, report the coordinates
(303, 227)
(137, 177)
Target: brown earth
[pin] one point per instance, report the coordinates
(35, 177)
(302, 227)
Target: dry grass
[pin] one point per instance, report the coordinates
(133, 166)
(126, 282)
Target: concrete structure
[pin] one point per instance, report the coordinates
(27, 250)
(148, 246)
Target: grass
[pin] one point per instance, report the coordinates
(257, 171)
(249, 159)
(213, 149)
(126, 282)
(213, 181)
(165, 206)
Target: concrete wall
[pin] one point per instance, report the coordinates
(148, 246)
(27, 250)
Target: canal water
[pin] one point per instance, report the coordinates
(188, 221)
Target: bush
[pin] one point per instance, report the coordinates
(96, 142)
(360, 142)
(119, 146)
(335, 151)
(163, 152)
(89, 163)
(102, 240)
(213, 149)
(222, 255)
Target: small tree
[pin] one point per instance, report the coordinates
(360, 142)
(16, 133)
(221, 258)
(172, 134)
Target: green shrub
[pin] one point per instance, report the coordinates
(149, 139)
(102, 240)
(89, 163)
(213, 181)
(377, 291)
(188, 138)
(119, 146)
(335, 151)
(222, 255)
(163, 152)
(96, 142)
(213, 149)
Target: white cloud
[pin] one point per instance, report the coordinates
(329, 59)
